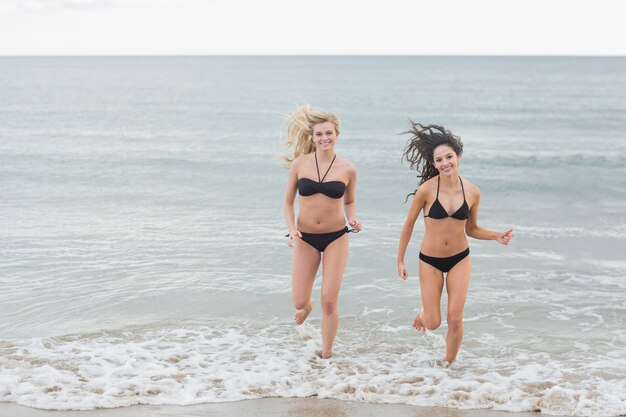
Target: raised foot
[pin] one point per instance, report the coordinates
(301, 315)
(417, 322)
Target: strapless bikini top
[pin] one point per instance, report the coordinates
(332, 189)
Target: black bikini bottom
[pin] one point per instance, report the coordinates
(444, 264)
(321, 240)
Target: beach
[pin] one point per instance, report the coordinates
(144, 258)
(267, 407)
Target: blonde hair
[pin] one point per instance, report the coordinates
(300, 130)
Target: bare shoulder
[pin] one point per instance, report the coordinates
(429, 185)
(300, 161)
(426, 189)
(471, 189)
(346, 165)
(296, 164)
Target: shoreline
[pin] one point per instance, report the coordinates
(268, 407)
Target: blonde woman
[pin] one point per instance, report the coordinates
(326, 185)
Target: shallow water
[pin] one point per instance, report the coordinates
(141, 231)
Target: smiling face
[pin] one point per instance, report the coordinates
(446, 160)
(324, 136)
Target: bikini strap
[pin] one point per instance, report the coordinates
(438, 179)
(462, 188)
(318, 168)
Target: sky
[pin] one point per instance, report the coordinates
(320, 27)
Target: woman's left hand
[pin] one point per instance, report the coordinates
(505, 237)
(355, 224)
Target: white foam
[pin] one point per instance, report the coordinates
(367, 311)
(616, 232)
(306, 331)
(535, 255)
(230, 362)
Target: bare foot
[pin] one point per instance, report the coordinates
(301, 315)
(417, 322)
(441, 363)
(322, 355)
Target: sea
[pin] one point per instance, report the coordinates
(142, 249)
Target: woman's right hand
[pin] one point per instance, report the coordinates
(402, 273)
(292, 235)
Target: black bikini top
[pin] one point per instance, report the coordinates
(332, 189)
(438, 212)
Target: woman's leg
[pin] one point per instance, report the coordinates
(335, 260)
(457, 284)
(306, 261)
(431, 286)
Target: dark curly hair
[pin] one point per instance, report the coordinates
(421, 146)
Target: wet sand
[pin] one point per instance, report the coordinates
(266, 407)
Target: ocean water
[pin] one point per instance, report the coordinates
(142, 258)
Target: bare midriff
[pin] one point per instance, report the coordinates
(320, 214)
(444, 237)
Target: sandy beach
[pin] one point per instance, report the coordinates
(267, 407)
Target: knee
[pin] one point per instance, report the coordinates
(455, 321)
(329, 305)
(299, 304)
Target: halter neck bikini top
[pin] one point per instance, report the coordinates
(332, 189)
(438, 212)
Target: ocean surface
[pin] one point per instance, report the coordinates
(142, 257)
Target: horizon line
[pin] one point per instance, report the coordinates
(285, 55)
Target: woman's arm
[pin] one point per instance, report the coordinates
(407, 230)
(290, 196)
(349, 200)
(472, 229)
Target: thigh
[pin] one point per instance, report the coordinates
(306, 262)
(457, 284)
(431, 286)
(334, 263)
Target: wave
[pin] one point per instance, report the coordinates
(220, 361)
